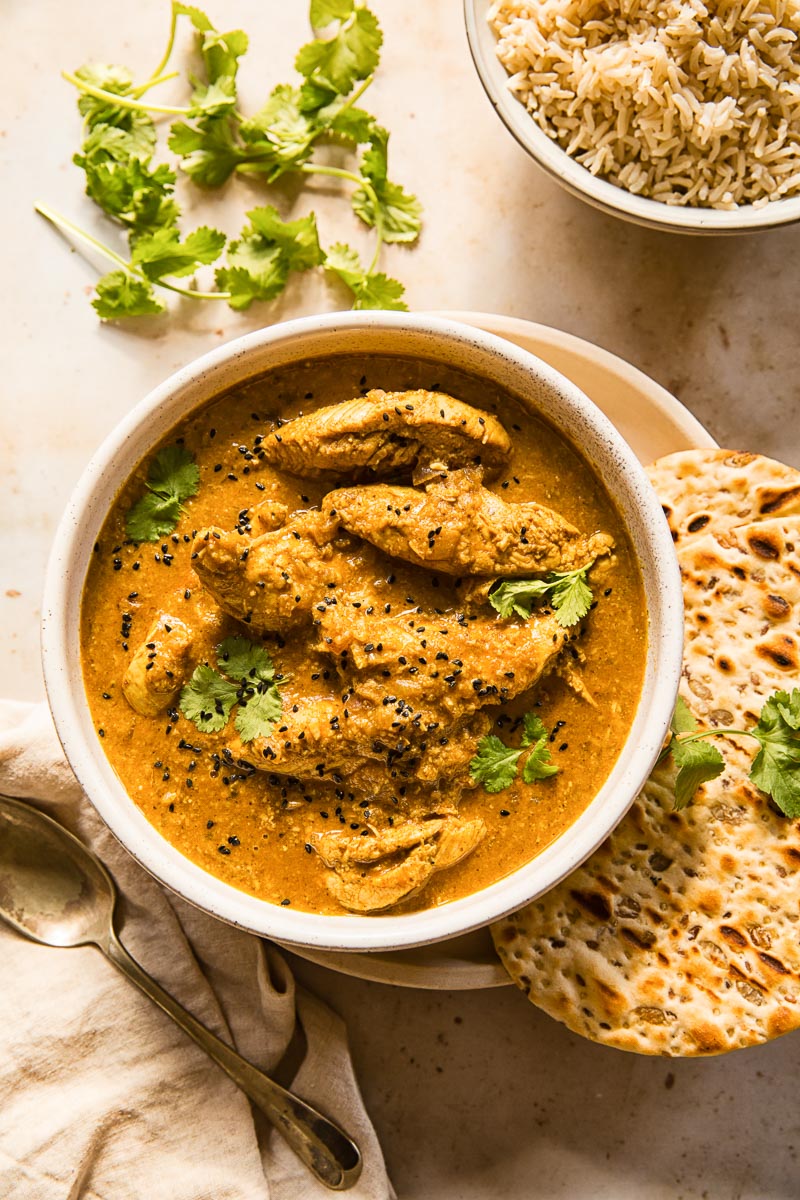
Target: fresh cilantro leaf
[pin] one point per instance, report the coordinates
(152, 517)
(162, 253)
(109, 78)
(262, 257)
(213, 99)
(354, 125)
(518, 596)
(776, 767)
(209, 151)
(323, 12)
(370, 289)
(195, 15)
(352, 53)
(130, 192)
(244, 660)
(537, 765)
(207, 699)
(682, 719)
(119, 294)
(533, 729)
(110, 143)
(280, 135)
(494, 765)
(258, 714)
(400, 212)
(698, 763)
(221, 51)
(789, 707)
(172, 477)
(174, 473)
(570, 596)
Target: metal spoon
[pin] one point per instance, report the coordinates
(55, 891)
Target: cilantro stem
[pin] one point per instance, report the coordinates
(339, 173)
(170, 43)
(706, 733)
(139, 91)
(64, 223)
(118, 101)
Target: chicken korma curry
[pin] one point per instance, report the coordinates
(363, 634)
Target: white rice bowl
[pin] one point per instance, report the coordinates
(673, 100)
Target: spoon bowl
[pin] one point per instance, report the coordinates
(51, 889)
(54, 890)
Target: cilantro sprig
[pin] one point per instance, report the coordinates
(173, 476)
(213, 140)
(495, 764)
(567, 591)
(245, 676)
(775, 768)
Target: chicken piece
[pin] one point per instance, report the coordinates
(374, 748)
(386, 433)
(367, 878)
(341, 850)
(459, 527)
(159, 667)
(443, 665)
(272, 582)
(172, 647)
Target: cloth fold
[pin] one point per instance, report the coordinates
(102, 1097)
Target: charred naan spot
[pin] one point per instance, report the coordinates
(659, 862)
(776, 607)
(702, 618)
(508, 933)
(724, 663)
(774, 501)
(557, 943)
(793, 855)
(782, 651)
(609, 992)
(698, 523)
(628, 906)
(594, 903)
(764, 545)
(774, 964)
(643, 939)
(740, 572)
(732, 936)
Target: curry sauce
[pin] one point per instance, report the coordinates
(256, 829)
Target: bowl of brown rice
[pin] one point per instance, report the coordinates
(675, 114)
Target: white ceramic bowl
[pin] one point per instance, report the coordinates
(579, 181)
(414, 335)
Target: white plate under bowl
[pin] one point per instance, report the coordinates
(578, 180)
(653, 423)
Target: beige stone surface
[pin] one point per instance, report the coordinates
(474, 1095)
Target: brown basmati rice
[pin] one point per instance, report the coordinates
(684, 102)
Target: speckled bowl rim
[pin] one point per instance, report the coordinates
(400, 333)
(579, 181)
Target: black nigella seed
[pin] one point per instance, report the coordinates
(233, 840)
(285, 903)
(223, 849)
(209, 824)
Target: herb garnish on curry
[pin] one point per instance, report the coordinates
(321, 634)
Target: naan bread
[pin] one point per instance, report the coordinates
(681, 934)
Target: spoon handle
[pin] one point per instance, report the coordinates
(325, 1149)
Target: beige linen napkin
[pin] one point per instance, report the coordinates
(102, 1097)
